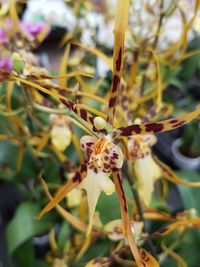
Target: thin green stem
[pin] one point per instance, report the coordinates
(12, 113)
(173, 246)
(66, 112)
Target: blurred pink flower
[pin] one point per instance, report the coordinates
(3, 36)
(32, 29)
(6, 64)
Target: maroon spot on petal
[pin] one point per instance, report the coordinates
(119, 60)
(65, 102)
(95, 129)
(103, 131)
(129, 130)
(112, 162)
(95, 170)
(106, 166)
(83, 114)
(106, 158)
(154, 127)
(173, 121)
(89, 144)
(77, 177)
(83, 168)
(178, 124)
(72, 106)
(91, 119)
(115, 156)
(88, 154)
(144, 256)
(107, 151)
(116, 80)
(89, 150)
(112, 102)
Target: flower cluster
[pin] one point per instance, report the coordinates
(90, 138)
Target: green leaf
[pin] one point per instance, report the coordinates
(40, 263)
(28, 167)
(190, 195)
(187, 249)
(63, 235)
(8, 154)
(108, 206)
(101, 249)
(51, 170)
(25, 254)
(24, 226)
(169, 73)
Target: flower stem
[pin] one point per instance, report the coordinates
(149, 242)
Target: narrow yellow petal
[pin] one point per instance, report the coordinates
(63, 66)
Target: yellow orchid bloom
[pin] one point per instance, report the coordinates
(146, 169)
(61, 134)
(61, 137)
(147, 172)
(103, 156)
(114, 229)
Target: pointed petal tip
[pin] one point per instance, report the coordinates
(38, 217)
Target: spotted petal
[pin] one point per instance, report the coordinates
(87, 143)
(65, 189)
(157, 127)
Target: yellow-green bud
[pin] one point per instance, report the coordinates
(99, 123)
(18, 63)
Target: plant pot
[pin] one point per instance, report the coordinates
(182, 161)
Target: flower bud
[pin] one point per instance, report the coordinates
(18, 63)
(99, 123)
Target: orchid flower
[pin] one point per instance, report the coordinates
(61, 134)
(102, 156)
(146, 169)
